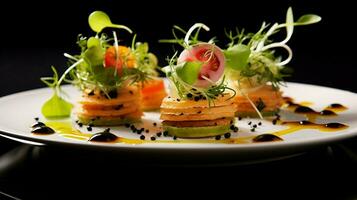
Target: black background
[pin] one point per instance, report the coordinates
(34, 35)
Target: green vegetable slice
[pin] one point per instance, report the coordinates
(56, 107)
(237, 56)
(196, 132)
(189, 71)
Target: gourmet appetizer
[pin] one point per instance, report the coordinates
(199, 104)
(254, 69)
(108, 74)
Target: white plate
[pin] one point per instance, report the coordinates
(17, 113)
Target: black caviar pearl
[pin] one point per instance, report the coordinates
(227, 135)
(274, 121)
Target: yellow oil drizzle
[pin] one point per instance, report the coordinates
(67, 130)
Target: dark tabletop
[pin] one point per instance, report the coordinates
(322, 56)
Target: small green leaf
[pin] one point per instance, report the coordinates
(307, 19)
(142, 47)
(98, 20)
(56, 107)
(189, 71)
(93, 42)
(237, 56)
(94, 53)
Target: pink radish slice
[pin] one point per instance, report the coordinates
(213, 66)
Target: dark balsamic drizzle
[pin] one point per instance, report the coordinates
(41, 129)
(105, 136)
(266, 138)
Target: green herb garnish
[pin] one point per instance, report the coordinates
(250, 56)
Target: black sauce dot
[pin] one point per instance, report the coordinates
(303, 109)
(249, 123)
(327, 113)
(38, 124)
(36, 118)
(255, 126)
(104, 136)
(142, 137)
(153, 138)
(266, 138)
(260, 123)
(218, 137)
(334, 125)
(227, 135)
(89, 128)
(43, 130)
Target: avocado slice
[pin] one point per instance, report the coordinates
(196, 132)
